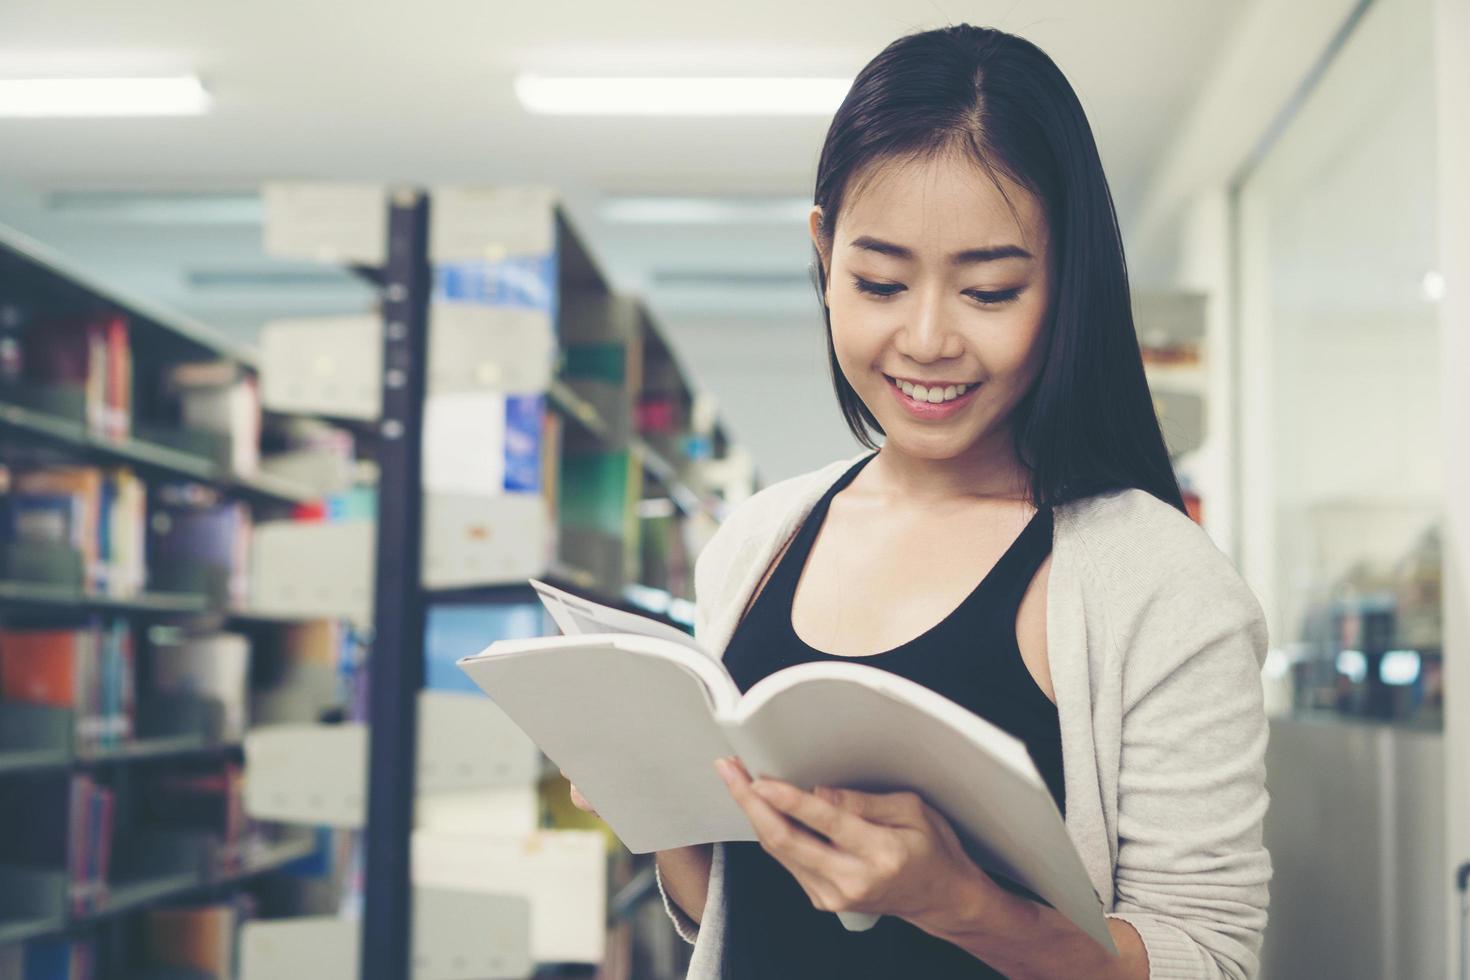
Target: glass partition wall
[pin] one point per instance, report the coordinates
(1340, 460)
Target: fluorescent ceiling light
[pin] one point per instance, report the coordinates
(705, 210)
(37, 98)
(681, 96)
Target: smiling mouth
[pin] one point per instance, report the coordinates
(936, 393)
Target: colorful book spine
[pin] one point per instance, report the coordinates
(89, 846)
(88, 671)
(99, 513)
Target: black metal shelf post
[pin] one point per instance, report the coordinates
(396, 666)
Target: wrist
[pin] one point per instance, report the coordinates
(972, 907)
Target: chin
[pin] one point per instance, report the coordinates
(931, 445)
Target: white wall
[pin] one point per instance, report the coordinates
(1452, 63)
(771, 382)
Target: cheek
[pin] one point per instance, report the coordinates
(1015, 346)
(856, 337)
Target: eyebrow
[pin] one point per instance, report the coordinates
(969, 256)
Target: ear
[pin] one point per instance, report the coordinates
(814, 227)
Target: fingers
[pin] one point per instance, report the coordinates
(786, 840)
(904, 809)
(819, 811)
(580, 801)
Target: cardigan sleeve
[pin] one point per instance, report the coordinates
(1192, 872)
(686, 927)
(704, 600)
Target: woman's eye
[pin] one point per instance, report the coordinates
(995, 299)
(881, 289)
(875, 288)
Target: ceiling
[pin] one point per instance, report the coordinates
(422, 93)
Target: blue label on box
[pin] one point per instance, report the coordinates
(454, 631)
(521, 281)
(523, 442)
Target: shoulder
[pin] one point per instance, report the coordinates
(765, 513)
(1150, 561)
(769, 508)
(736, 543)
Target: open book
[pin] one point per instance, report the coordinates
(635, 713)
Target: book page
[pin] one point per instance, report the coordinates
(576, 616)
(631, 721)
(856, 726)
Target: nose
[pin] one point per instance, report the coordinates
(926, 334)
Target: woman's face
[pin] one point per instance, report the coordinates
(932, 283)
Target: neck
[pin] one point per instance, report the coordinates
(988, 469)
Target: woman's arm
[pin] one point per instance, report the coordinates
(1192, 873)
(683, 880)
(1023, 940)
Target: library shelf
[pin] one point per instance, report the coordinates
(43, 596)
(135, 750)
(149, 458)
(51, 596)
(130, 896)
(576, 408)
(33, 760)
(635, 598)
(22, 257)
(14, 931)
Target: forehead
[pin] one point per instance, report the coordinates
(947, 200)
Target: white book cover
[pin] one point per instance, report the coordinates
(209, 665)
(563, 873)
(635, 713)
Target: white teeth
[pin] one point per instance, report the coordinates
(932, 395)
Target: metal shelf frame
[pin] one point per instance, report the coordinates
(396, 664)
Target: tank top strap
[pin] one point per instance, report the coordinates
(1018, 566)
(796, 554)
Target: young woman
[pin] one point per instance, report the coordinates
(973, 285)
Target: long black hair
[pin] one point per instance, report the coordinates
(1087, 425)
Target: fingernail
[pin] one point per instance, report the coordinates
(723, 768)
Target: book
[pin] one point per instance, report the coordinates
(212, 666)
(221, 397)
(96, 512)
(635, 712)
(89, 846)
(91, 356)
(88, 671)
(198, 938)
(199, 542)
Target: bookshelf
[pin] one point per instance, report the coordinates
(491, 303)
(86, 584)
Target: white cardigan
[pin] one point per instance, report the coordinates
(1155, 644)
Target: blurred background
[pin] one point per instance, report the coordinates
(325, 326)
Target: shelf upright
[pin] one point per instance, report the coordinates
(395, 672)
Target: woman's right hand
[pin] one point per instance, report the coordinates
(578, 800)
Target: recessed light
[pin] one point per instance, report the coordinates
(40, 98)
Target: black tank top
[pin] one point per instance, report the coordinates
(772, 930)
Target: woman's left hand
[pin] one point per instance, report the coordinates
(881, 853)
